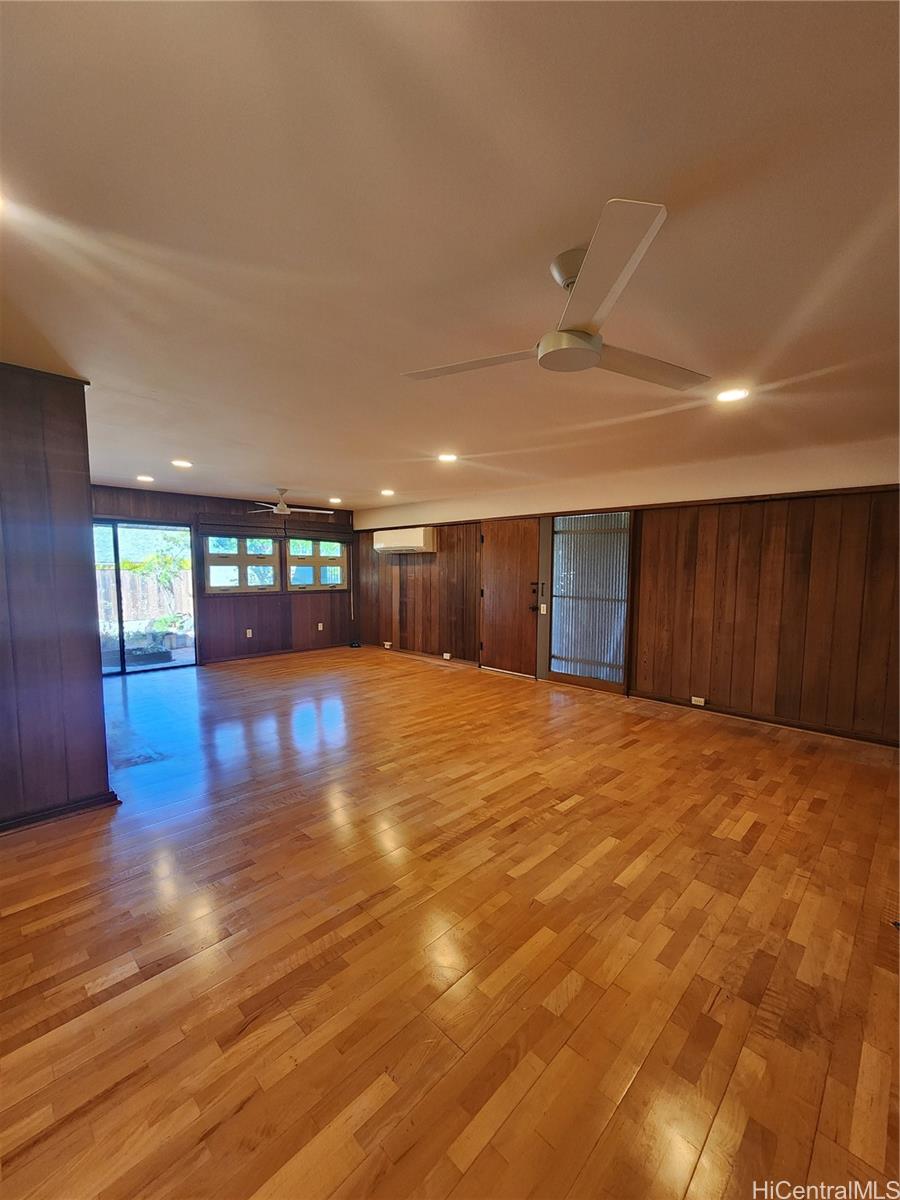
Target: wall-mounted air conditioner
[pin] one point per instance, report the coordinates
(404, 541)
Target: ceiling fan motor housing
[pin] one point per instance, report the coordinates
(569, 350)
(565, 266)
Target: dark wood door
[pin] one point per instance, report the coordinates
(509, 572)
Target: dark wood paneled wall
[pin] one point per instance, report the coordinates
(780, 609)
(146, 504)
(423, 602)
(52, 737)
(280, 621)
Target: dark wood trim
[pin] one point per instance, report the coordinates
(85, 804)
(47, 374)
(437, 659)
(632, 593)
(270, 592)
(806, 727)
(545, 585)
(512, 674)
(248, 658)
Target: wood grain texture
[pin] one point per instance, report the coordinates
(369, 925)
(704, 590)
(509, 575)
(280, 621)
(794, 608)
(768, 614)
(182, 508)
(427, 603)
(53, 743)
(785, 609)
(879, 615)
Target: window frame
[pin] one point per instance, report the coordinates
(317, 561)
(243, 559)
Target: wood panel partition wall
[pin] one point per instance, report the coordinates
(427, 603)
(783, 609)
(280, 621)
(431, 603)
(52, 736)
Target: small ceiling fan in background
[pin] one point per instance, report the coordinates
(594, 279)
(282, 508)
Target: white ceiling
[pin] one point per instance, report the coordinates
(242, 222)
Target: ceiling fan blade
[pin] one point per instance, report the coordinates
(268, 508)
(651, 370)
(313, 510)
(474, 364)
(622, 237)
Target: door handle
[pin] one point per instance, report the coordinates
(532, 608)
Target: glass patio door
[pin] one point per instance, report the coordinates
(145, 596)
(107, 598)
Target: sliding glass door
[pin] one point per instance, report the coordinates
(107, 598)
(145, 596)
(589, 599)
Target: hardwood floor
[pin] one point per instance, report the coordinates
(370, 925)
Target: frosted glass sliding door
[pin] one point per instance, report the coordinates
(590, 597)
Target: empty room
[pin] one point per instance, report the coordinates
(449, 600)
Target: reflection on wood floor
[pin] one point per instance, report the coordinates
(370, 925)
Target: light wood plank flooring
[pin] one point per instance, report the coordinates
(369, 925)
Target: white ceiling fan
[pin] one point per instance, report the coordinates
(282, 508)
(594, 279)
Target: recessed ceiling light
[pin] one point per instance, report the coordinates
(144, 478)
(387, 491)
(733, 394)
(181, 462)
(447, 458)
(334, 500)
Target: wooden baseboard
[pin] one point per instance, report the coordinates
(778, 722)
(101, 800)
(212, 662)
(433, 658)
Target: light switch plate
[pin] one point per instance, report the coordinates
(249, 633)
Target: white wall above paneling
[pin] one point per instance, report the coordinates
(815, 468)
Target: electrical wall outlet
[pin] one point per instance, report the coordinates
(249, 633)
(320, 626)
(700, 701)
(446, 655)
(543, 610)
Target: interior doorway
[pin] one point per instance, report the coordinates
(145, 596)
